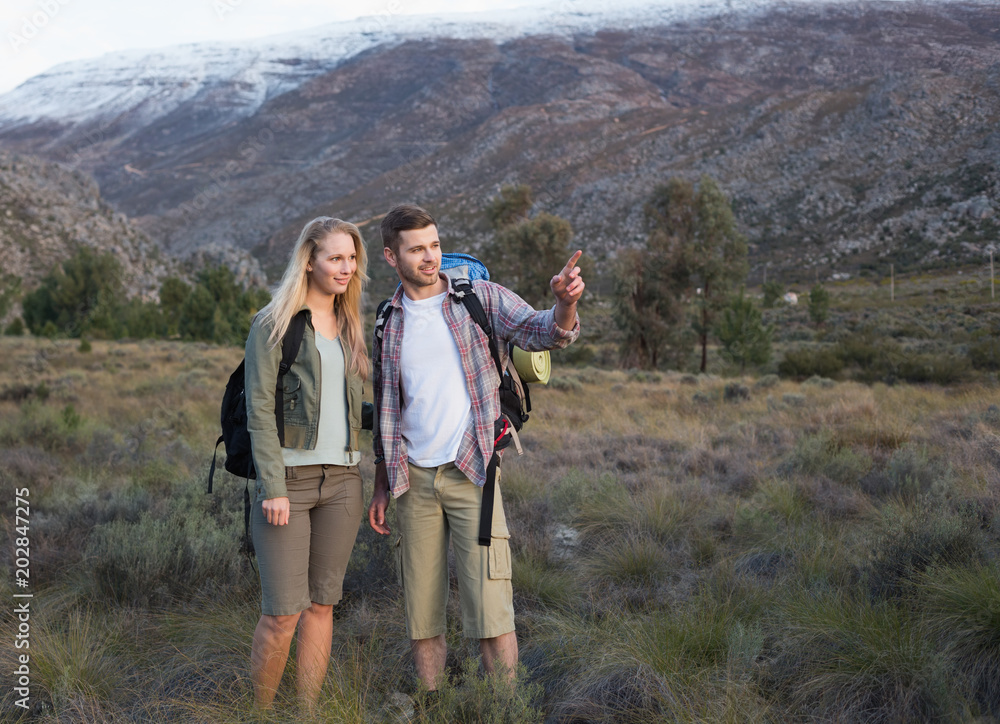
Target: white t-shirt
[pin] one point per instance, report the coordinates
(435, 404)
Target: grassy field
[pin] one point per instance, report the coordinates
(781, 551)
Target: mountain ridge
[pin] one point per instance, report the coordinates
(846, 134)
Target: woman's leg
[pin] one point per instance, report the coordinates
(271, 641)
(334, 526)
(313, 651)
(283, 564)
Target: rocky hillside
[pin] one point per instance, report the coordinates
(48, 212)
(848, 135)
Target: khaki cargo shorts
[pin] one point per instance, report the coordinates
(443, 504)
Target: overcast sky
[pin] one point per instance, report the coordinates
(37, 34)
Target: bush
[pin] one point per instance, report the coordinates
(767, 382)
(15, 328)
(961, 606)
(806, 362)
(822, 455)
(735, 392)
(913, 541)
(156, 560)
(850, 660)
(985, 354)
(939, 369)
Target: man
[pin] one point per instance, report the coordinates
(436, 399)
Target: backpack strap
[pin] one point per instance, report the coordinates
(211, 470)
(504, 432)
(290, 344)
(462, 290)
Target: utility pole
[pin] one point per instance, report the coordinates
(993, 283)
(892, 283)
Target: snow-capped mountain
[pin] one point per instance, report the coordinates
(843, 132)
(243, 75)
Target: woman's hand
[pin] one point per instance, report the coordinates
(276, 510)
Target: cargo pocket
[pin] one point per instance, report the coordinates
(500, 568)
(399, 561)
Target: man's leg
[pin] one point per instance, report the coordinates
(429, 657)
(500, 654)
(422, 549)
(313, 652)
(484, 573)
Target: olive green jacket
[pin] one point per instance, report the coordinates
(301, 404)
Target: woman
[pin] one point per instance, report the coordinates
(308, 495)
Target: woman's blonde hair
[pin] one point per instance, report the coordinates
(291, 292)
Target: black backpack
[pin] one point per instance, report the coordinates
(515, 402)
(236, 436)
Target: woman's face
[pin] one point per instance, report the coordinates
(333, 264)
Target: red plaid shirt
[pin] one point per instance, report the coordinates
(514, 321)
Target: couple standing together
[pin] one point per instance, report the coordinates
(436, 402)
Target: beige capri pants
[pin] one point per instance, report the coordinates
(305, 560)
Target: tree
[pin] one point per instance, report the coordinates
(741, 331)
(650, 313)
(819, 304)
(173, 292)
(10, 290)
(218, 309)
(717, 257)
(83, 296)
(526, 255)
(773, 292)
(526, 252)
(652, 284)
(510, 206)
(693, 253)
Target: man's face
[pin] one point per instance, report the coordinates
(419, 257)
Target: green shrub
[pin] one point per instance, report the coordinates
(767, 382)
(851, 660)
(469, 697)
(157, 560)
(940, 369)
(985, 354)
(806, 362)
(15, 328)
(910, 541)
(821, 454)
(962, 606)
(565, 384)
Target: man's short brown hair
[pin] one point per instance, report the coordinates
(404, 217)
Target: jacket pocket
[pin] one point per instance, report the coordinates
(293, 403)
